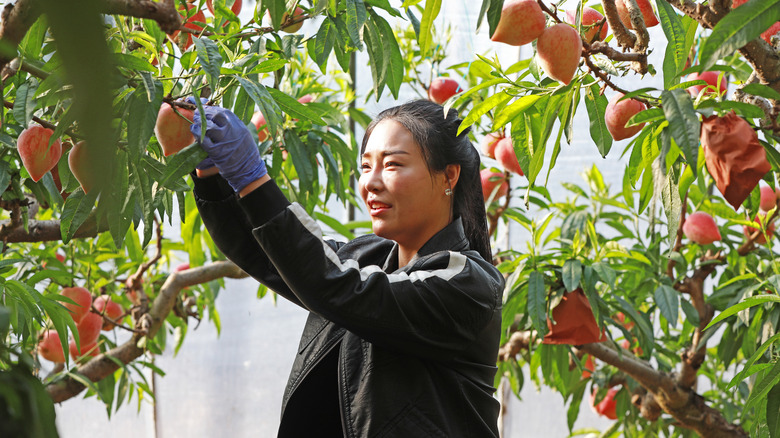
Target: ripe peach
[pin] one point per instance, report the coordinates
(621, 318)
(768, 198)
(644, 6)
(607, 407)
(592, 18)
(491, 180)
(182, 267)
(521, 22)
(626, 345)
(701, 228)
(761, 239)
(81, 297)
(194, 23)
(86, 350)
(293, 27)
(173, 131)
(769, 33)
(505, 154)
(306, 98)
(489, 142)
(236, 8)
(558, 52)
(619, 113)
(81, 165)
(37, 157)
(714, 85)
(442, 89)
(112, 310)
(588, 367)
(259, 121)
(50, 348)
(89, 328)
(59, 257)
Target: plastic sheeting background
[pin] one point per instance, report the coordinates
(232, 385)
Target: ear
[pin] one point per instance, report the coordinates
(452, 173)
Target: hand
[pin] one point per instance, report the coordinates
(229, 144)
(207, 162)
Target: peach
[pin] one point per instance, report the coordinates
(489, 142)
(558, 52)
(588, 367)
(621, 318)
(259, 121)
(607, 407)
(591, 21)
(182, 267)
(86, 350)
(296, 16)
(701, 228)
(442, 89)
(521, 22)
(89, 328)
(761, 239)
(172, 130)
(619, 113)
(306, 98)
(769, 33)
(81, 166)
(768, 198)
(505, 154)
(81, 297)
(644, 6)
(50, 348)
(104, 305)
(491, 180)
(713, 83)
(194, 22)
(36, 154)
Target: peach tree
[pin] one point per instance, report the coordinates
(96, 74)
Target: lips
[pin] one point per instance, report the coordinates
(376, 207)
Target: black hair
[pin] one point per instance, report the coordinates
(436, 134)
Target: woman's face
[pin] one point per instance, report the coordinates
(406, 203)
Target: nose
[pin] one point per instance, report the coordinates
(371, 180)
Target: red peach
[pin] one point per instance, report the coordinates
(768, 198)
(588, 367)
(489, 142)
(619, 113)
(182, 267)
(521, 22)
(558, 52)
(236, 8)
(701, 228)
(712, 80)
(296, 16)
(172, 130)
(607, 407)
(644, 7)
(761, 239)
(259, 121)
(50, 348)
(36, 154)
(490, 181)
(194, 22)
(112, 310)
(89, 328)
(505, 154)
(592, 18)
(82, 166)
(81, 297)
(442, 89)
(621, 318)
(86, 350)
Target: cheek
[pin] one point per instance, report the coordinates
(362, 187)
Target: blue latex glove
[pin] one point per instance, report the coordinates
(207, 163)
(229, 144)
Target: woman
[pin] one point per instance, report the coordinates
(404, 324)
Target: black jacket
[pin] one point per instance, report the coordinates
(415, 348)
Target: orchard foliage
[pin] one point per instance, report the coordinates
(99, 71)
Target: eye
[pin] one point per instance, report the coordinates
(364, 166)
(392, 164)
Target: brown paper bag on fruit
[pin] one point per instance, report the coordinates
(735, 158)
(574, 322)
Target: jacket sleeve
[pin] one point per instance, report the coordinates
(435, 310)
(232, 232)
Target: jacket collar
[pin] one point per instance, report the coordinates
(450, 238)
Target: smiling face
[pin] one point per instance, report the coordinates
(405, 201)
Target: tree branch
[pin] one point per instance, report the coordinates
(101, 366)
(624, 37)
(46, 231)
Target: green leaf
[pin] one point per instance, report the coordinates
(736, 308)
(75, 211)
(335, 224)
(376, 59)
(761, 90)
(511, 111)
(764, 384)
(210, 59)
(737, 28)
(24, 104)
(684, 124)
(323, 43)
(141, 117)
(394, 75)
(182, 163)
(742, 375)
(773, 411)
(384, 4)
(133, 62)
(263, 99)
(606, 273)
(426, 37)
(537, 305)
(294, 108)
(572, 272)
(596, 105)
(301, 160)
(276, 9)
(482, 108)
(667, 300)
(356, 18)
(676, 53)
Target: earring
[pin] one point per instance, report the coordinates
(448, 192)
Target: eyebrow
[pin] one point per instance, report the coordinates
(386, 153)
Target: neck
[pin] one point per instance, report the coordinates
(405, 255)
